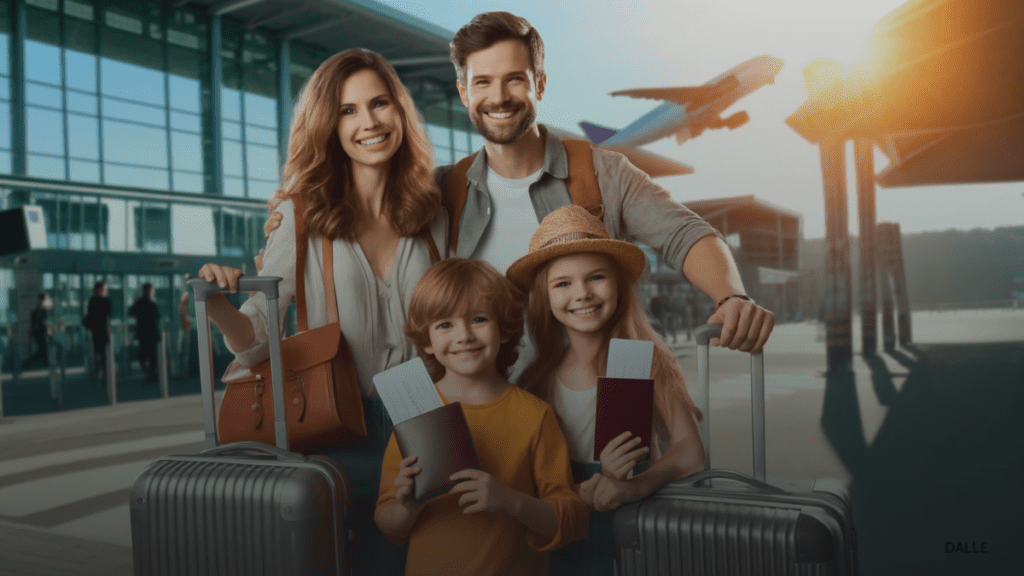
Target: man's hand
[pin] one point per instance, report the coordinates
(481, 492)
(621, 454)
(745, 325)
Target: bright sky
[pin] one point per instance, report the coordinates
(596, 47)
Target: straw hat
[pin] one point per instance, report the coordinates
(572, 229)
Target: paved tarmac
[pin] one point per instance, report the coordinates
(929, 438)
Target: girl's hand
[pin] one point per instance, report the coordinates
(404, 484)
(610, 493)
(481, 492)
(224, 276)
(585, 490)
(621, 455)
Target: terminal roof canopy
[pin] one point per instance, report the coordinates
(415, 47)
(941, 91)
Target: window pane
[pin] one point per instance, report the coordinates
(261, 162)
(122, 110)
(230, 103)
(184, 93)
(232, 157)
(134, 144)
(261, 136)
(135, 177)
(262, 189)
(46, 167)
(185, 121)
(232, 130)
(260, 110)
(82, 171)
(5, 126)
(43, 95)
(132, 82)
(42, 62)
(78, 102)
(187, 182)
(187, 152)
(234, 187)
(81, 72)
(83, 137)
(192, 229)
(45, 132)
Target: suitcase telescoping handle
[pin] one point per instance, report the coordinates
(703, 335)
(246, 283)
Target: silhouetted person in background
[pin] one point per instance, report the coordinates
(39, 330)
(147, 330)
(97, 320)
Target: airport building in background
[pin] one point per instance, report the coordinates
(151, 133)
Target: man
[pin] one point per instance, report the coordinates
(39, 330)
(147, 331)
(519, 177)
(97, 320)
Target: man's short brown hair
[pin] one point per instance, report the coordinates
(489, 28)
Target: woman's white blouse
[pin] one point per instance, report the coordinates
(371, 311)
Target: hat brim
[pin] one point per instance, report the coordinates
(630, 257)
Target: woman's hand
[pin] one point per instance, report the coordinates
(585, 489)
(404, 484)
(224, 276)
(621, 454)
(611, 493)
(481, 492)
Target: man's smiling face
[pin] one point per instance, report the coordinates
(501, 91)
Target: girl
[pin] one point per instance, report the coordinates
(360, 159)
(582, 294)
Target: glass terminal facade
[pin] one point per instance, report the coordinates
(151, 134)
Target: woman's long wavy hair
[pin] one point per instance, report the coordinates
(629, 321)
(320, 170)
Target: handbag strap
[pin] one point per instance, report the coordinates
(301, 248)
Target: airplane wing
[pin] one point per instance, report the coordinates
(693, 95)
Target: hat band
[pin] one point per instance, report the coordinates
(571, 237)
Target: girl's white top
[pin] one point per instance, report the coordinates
(371, 311)
(577, 413)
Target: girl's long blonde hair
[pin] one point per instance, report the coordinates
(320, 170)
(629, 321)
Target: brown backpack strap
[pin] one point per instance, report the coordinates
(454, 198)
(582, 179)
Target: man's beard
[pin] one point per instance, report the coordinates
(508, 134)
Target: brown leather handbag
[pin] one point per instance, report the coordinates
(323, 400)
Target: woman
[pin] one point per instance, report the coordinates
(361, 160)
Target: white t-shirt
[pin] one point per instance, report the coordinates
(577, 413)
(513, 221)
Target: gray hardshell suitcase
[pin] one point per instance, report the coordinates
(721, 522)
(244, 508)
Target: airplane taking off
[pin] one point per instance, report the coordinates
(688, 111)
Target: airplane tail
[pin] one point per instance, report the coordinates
(597, 134)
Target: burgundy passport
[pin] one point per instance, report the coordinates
(623, 404)
(441, 441)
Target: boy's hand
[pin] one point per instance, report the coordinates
(620, 455)
(481, 492)
(611, 493)
(585, 490)
(404, 484)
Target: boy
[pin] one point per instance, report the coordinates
(466, 320)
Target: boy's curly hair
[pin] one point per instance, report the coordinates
(449, 288)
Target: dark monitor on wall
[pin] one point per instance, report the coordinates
(22, 229)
